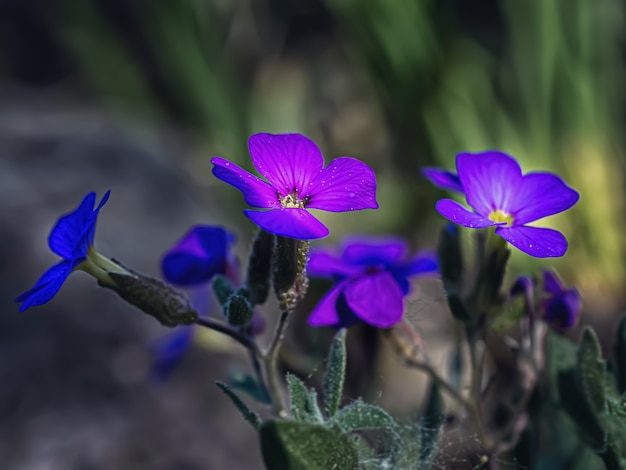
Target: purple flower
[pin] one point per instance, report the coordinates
(372, 280)
(199, 255)
(71, 239)
(295, 181)
(562, 305)
(501, 196)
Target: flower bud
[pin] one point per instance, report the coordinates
(238, 310)
(450, 259)
(289, 275)
(258, 276)
(223, 289)
(155, 298)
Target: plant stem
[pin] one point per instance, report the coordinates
(242, 339)
(270, 362)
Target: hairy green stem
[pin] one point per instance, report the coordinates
(270, 360)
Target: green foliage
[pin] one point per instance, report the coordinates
(250, 385)
(588, 395)
(303, 402)
(360, 415)
(620, 356)
(335, 372)
(247, 413)
(288, 445)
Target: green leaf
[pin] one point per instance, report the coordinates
(431, 423)
(292, 445)
(247, 413)
(620, 356)
(361, 415)
(591, 370)
(313, 408)
(248, 384)
(335, 373)
(303, 403)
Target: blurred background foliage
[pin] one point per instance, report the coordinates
(400, 84)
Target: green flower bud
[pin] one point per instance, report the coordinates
(289, 275)
(238, 310)
(258, 276)
(223, 289)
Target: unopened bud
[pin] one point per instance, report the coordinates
(223, 289)
(155, 298)
(258, 276)
(290, 279)
(238, 310)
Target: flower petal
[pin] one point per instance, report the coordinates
(490, 180)
(325, 313)
(288, 161)
(47, 286)
(74, 232)
(376, 299)
(324, 263)
(294, 223)
(422, 263)
(347, 184)
(199, 255)
(552, 282)
(535, 241)
(458, 214)
(563, 310)
(540, 195)
(255, 191)
(443, 179)
(374, 251)
(169, 350)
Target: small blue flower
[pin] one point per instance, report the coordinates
(200, 254)
(71, 239)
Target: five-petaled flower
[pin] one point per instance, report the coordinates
(501, 196)
(372, 280)
(71, 239)
(295, 181)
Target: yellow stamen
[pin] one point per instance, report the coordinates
(291, 201)
(499, 216)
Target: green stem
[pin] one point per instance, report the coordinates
(244, 340)
(270, 360)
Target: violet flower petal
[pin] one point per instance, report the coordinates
(535, 241)
(347, 184)
(490, 180)
(325, 313)
(370, 251)
(377, 299)
(293, 223)
(540, 195)
(288, 161)
(74, 232)
(323, 263)
(169, 350)
(48, 285)
(256, 192)
(552, 282)
(458, 214)
(443, 179)
(422, 263)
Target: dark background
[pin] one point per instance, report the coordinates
(137, 96)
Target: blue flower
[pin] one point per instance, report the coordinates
(71, 239)
(200, 254)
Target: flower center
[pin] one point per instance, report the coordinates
(499, 216)
(292, 201)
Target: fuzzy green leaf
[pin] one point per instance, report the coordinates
(361, 415)
(312, 407)
(591, 371)
(298, 395)
(292, 445)
(248, 384)
(247, 413)
(335, 373)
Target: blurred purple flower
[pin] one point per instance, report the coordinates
(501, 196)
(372, 280)
(71, 238)
(200, 254)
(295, 181)
(562, 305)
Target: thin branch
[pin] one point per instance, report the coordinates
(244, 340)
(270, 361)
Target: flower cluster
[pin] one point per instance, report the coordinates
(502, 197)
